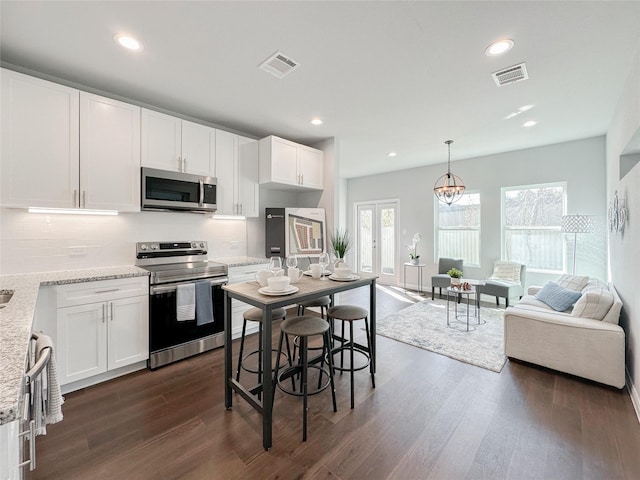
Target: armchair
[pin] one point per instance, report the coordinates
(442, 279)
(506, 281)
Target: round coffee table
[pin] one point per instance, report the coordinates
(457, 292)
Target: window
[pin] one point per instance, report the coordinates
(532, 226)
(459, 229)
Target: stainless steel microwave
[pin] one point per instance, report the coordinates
(165, 190)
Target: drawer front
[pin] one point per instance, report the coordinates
(101, 290)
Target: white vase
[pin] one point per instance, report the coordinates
(455, 282)
(414, 261)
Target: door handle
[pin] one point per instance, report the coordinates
(201, 192)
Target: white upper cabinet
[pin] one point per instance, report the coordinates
(236, 171)
(109, 154)
(63, 148)
(40, 151)
(169, 143)
(290, 164)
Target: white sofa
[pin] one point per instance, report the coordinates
(587, 347)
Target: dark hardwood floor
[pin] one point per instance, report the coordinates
(429, 417)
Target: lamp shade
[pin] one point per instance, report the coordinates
(577, 223)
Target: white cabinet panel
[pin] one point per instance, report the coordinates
(245, 273)
(109, 154)
(170, 143)
(82, 342)
(198, 149)
(40, 128)
(226, 168)
(128, 336)
(63, 148)
(161, 141)
(311, 167)
(237, 174)
(289, 165)
(101, 326)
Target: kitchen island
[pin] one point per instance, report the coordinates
(308, 288)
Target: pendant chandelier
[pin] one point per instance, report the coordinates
(449, 188)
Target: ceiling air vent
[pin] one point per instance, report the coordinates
(279, 65)
(515, 73)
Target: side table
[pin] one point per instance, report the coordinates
(420, 267)
(456, 294)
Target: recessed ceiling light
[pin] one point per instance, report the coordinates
(499, 47)
(530, 123)
(392, 154)
(524, 108)
(316, 121)
(128, 42)
(511, 115)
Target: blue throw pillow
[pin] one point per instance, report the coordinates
(558, 297)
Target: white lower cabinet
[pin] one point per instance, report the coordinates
(101, 326)
(245, 273)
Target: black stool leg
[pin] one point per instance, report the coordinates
(351, 354)
(303, 352)
(260, 358)
(327, 342)
(372, 367)
(275, 372)
(244, 329)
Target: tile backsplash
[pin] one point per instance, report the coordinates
(39, 242)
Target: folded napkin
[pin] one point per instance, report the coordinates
(204, 304)
(185, 302)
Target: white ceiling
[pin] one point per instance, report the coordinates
(384, 76)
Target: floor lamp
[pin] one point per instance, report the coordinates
(577, 224)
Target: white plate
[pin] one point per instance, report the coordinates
(268, 291)
(324, 274)
(350, 278)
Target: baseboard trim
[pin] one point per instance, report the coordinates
(634, 394)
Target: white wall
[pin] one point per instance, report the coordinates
(36, 242)
(580, 163)
(624, 248)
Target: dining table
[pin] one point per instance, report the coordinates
(260, 396)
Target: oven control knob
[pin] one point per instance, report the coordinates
(201, 244)
(154, 246)
(143, 246)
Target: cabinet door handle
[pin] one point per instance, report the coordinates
(184, 164)
(104, 306)
(111, 308)
(84, 199)
(240, 205)
(180, 164)
(75, 197)
(108, 290)
(302, 179)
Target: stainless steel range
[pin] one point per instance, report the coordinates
(174, 265)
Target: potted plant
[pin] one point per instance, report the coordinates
(455, 275)
(413, 249)
(340, 244)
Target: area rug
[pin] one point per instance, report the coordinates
(424, 325)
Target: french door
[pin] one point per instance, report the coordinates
(377, 242)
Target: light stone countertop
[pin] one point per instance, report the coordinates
(240, 261)
(16, 321)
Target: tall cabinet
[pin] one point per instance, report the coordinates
(237, 173)
(62, 148)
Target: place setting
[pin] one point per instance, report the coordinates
(277, 283)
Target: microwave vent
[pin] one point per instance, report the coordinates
(506, 76)
(279, 65)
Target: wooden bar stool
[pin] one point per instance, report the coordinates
(255, 315)
(350, 314)
(303, 328)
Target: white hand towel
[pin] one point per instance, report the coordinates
(186, 302)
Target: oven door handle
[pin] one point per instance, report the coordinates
(171, 287)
